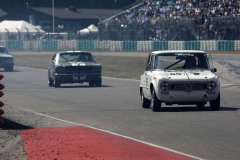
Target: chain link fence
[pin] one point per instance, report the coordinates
(222, 28)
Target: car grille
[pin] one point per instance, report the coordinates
(83, 69)
(75, 69)
(187, 86)
(3, 59)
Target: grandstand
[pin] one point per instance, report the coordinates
(175, 20)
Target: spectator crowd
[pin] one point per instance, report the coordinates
(202, 12)
(154, 10)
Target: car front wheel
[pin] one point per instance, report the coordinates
(215, 104)
(50, 82)
(155, 103)
(145, 102)
(99, 83)
(57, 83)
(96, 83)
(91, 84)
(200, 105)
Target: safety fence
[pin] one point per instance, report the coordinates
(58, 45)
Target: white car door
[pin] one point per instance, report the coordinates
(147, 76)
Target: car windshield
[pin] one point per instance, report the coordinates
(3, 50)
(176, 61)
(75, 57)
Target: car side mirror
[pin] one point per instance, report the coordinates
(214, 70)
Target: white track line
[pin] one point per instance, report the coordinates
(150, 144)
(228, 84)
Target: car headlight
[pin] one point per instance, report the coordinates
(211, 85)
(164, 85)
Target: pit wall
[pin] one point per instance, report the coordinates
(58, 45)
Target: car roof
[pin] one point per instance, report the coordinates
(73, 52)
(178, 51)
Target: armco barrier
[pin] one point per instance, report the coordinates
(59, 45)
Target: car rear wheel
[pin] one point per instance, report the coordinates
(145, 102)
(215, 104)
(99, 83)
(50, 82)
(57, 83)
(155, 103)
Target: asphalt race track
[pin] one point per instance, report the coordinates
(115, 107)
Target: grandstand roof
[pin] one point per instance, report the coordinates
(66, 13)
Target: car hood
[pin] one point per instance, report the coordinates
(6, 55)
(65, 64)
(188, 75)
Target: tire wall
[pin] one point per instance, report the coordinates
(208, 45)
(142, 46)
(107, 45)
(237, 45)
(175, 45)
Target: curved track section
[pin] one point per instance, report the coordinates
(115, 107)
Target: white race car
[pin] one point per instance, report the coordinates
(181, 77)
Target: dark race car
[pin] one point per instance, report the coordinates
(6, 60)
(74, 67)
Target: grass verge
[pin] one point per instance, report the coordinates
(113, 66)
